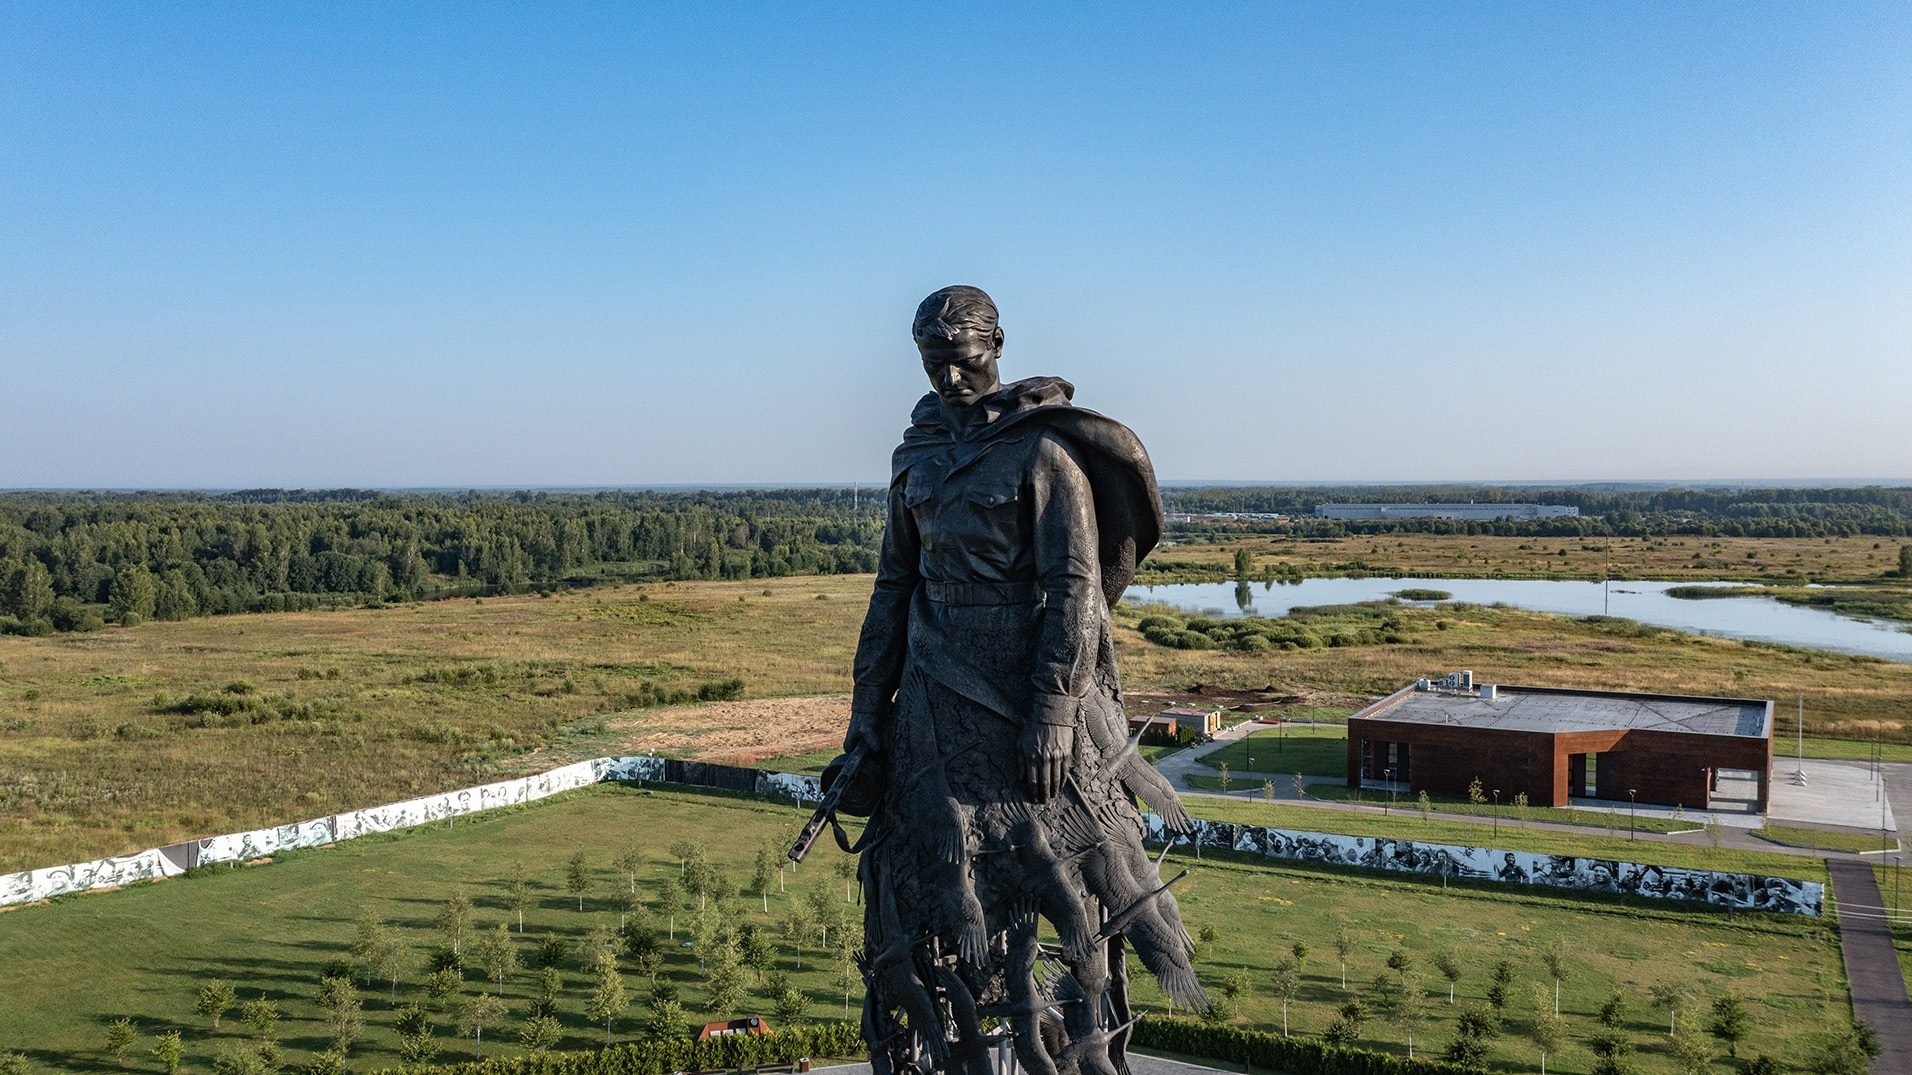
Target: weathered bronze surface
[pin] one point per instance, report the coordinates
(988, 731)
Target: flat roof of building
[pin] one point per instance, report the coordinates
(1554, 710)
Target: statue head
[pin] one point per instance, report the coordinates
(957, 334)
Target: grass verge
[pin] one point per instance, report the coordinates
(1819, 838)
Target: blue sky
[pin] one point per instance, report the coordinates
(462, 244)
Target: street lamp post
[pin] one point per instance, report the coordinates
(1390, 774)
(1497, 812)
(1633, 814)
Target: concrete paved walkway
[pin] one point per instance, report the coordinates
(1872, 967)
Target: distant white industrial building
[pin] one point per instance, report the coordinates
(1474, 512)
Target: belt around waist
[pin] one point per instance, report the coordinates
(982, 593)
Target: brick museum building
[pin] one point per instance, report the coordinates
(1555, 743)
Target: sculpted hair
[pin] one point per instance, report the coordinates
(954, 310)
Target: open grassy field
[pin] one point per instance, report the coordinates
(132, 737)
(362, 706)
(271, 929)
(1841, 559)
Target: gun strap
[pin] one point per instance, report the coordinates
(843, 838)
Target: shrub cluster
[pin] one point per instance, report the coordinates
(1271, 1051)
(1309, 629)
(648, 694)
(733, 1052)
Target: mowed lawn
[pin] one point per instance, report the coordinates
(1306, 750)
(74, 965)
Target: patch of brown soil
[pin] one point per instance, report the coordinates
(733, 733)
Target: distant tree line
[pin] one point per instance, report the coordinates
(75, 561)
(1604, 512)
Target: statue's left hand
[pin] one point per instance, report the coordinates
(1045, 753)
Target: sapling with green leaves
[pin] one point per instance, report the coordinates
(518, 897)
(392, 959)
(765, 872)
(260, 1017)
(552, 951)
(1613, 1011)
(666, 1021)
(120, 1035)
(540, 1033)
(1343, 947)
(453, 920)
(168, 1049)
(577, 877)
(1555, 959)
(790, 1006)
(416, 1045)
(1731, 1022)
(497, 955)
(798, 921)
(215, 999)
(1671, 995)
(627, 863)
(475, 1015)
(1410, 1008)
(1283, 984)
(1450, 967)
(370, 936)
(1548, 1031)
(1691, 1048)
(442, 985)
(608, 1000)
(343, 1014)
(671, 892)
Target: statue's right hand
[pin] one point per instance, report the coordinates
(863, 733)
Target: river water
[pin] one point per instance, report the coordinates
(1758, 618)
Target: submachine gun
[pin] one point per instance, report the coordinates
(850, 788)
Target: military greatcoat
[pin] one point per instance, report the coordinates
(1012, 526)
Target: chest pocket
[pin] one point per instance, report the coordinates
(992, 496)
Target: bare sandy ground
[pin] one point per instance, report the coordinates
(734, 733)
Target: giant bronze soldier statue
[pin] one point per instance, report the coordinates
(988, 744)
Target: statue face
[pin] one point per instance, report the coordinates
(962, 369)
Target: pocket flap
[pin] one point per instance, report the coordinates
(991, 496)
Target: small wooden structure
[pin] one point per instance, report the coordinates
(1207, 721)
(749, 1024)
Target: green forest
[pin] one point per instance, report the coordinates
(1604, 511)
(76, 561)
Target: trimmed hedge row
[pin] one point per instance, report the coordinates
(1232, 1045)
(1298, 1056)
(731, 1052)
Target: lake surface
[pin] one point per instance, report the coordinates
(1758, 618)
